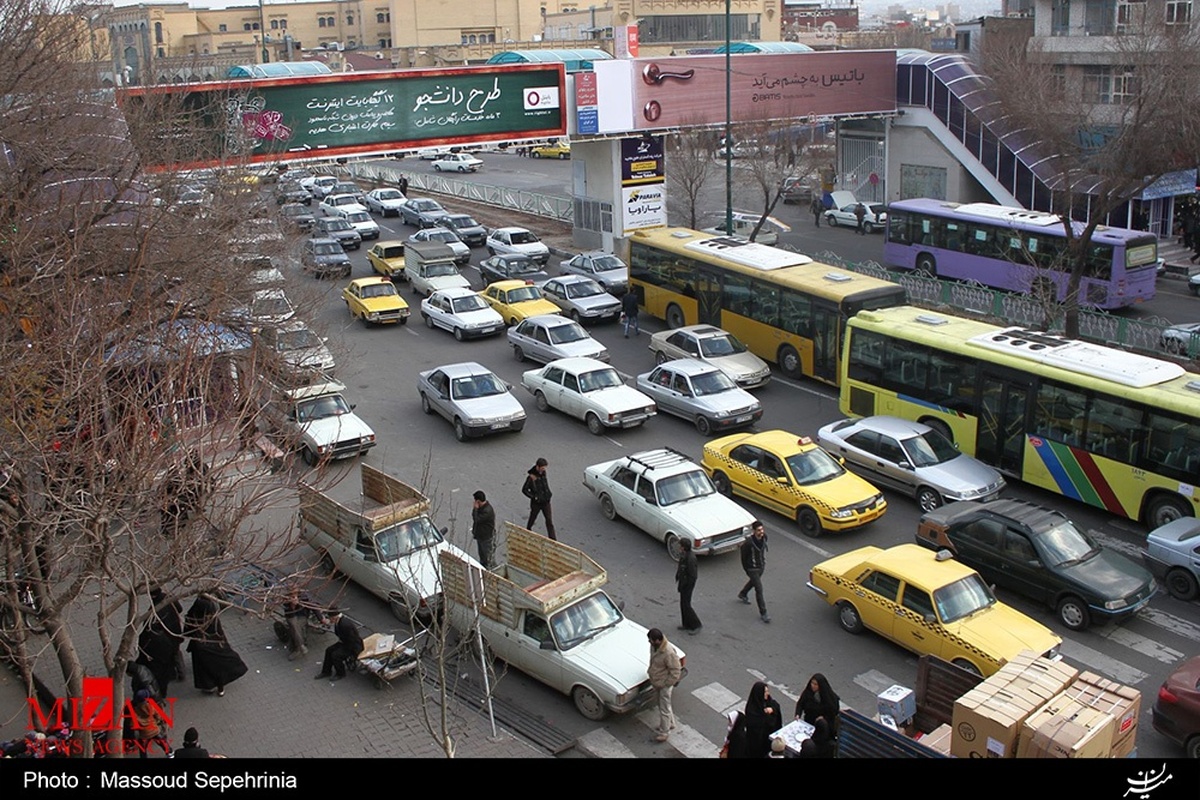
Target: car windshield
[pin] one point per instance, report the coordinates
(331, 405)
(726, 345)
(463, 222)
(518, 268)
(523, 237)
(604, 263)
(524, 293)
(426, 205)
(407, 537)
(472, 386)
(929, 448)
(471, 303)
(684, 486)
(1064, 545)
(577, 623)
(442, 236)
(345, 200)
(565, 334)
(337, 225)
(392, 252)
(584, 289)
(440, 270)
(713, 382)
(388, 194)
(358, 216)
(379, 290)
(813, 466)
(297, 339)
(327, 249)
(962, 598)
(270, 306)
(599, 379)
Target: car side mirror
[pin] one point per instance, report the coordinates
(508, 386)
(548, 644)
(905, 465)
(782, 480)
(444, 530)
(370, 557)
(930, 619)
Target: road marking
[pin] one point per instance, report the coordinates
(602, 744)
(792, 537)
(1136, 642)
(875, 682)
(806, 389)
(1108, 667)
(1169, 622)
(717, 697)
(1132, 551)
(686, 739)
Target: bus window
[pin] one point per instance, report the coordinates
(737, 294)
(1108, 429)
(866, 357)
(907, 365)
(1174, 446)
(1060, 414)
(795, 313)
(951, 381)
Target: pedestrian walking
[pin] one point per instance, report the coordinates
(860, 217)
(763, 717)
(817, 209)
(754, 562)
(295, 617)
(404, 185)
(685, 580)
(629, 312)
(665, 671)
(346, 648)
(215, 663)
(161, 641)
(483, 528)
(537, 489)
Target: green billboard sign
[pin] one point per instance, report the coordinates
(269, 120)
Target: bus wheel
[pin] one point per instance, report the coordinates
(789, 361)
(939, 426)
(675, 317)
(927, 263)
(1164, 508)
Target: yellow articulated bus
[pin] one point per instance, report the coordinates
(1113, 429)
(784, 306)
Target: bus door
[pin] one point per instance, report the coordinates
(826, 327)
(708, 298)
(1004, 401)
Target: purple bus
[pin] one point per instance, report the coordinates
(1019, 251)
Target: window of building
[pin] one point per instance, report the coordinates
(383, 16)
(1060, 17)
(1109, 85)
(161, 52)
(385, 42)
(349, 19)
(1129, 14)
(158, 34)
(223, 28)
(1179, 12)
(283, 24)
(274, 24)
(246, 26)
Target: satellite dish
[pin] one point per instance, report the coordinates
(829, 28)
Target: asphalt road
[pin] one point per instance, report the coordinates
(379, 367)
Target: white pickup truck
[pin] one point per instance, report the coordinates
(316, 418)
(541, 609)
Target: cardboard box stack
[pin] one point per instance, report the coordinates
(938, 739)
(987, 721)
(1093, 718)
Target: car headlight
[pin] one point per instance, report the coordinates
(745, 530)
(722, 414)
(373, 316)
(841, 513)
(624, 698)
(1116, 605)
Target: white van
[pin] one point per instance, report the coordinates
(743, 226)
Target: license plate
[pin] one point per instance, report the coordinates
(744, 418)
(499, 426)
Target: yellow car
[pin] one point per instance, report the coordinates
(387, 258)
(518, 300)
(556, 150)
(375, 300)
(792, 475)
(927, 602)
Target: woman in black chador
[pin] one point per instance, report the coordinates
(215, 664)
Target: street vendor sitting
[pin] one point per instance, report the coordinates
(344, 650)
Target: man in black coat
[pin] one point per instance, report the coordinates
(754, 562)
(346, 648)
(483, 528)
(537, 489)
(685, 579)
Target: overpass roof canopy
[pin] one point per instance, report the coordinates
(765, 47)
(279, 69)
(575, 60)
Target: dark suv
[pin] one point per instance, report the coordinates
(324, 257)
(338, 228)
(1040, 553)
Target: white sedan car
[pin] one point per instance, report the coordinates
(386, 202)
(363, 223)
(549, 337)
(457, 162)
(335, 205)
(589, 390)
(518, 240)
(462, 312)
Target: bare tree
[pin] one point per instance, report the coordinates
(768, 154)
(1105, 136)
(690, 169)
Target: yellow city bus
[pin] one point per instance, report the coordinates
(1113, 429)
(784, 306)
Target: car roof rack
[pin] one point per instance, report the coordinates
(663, 457)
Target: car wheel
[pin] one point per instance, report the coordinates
(1181, 584)
(869, 227)
(540, 400)
(460, 432)
(1164, 508)
(962, 663)
(721, 482)
(928, 499)
(1194, 288)
(491, 252)
(366, 323)
(674, 548)
(1192, 748)
(512, 321)
(575, 316)
(675, 318)
(831, 220)
(436, 168)
(327, 564)
(588, 704)
(428, 321)
(809, 522)
(425, 406)
(415, 290)
(1073, 613)
(848, 618)
(789, 362)
(399, 609)
(607, 508)
(310, 457)
(595, 426)
(518, 354)
(458, 334)
(703, 425)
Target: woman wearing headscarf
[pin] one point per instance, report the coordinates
(820, 744)
(214, 662)
(819, 700)
(763, 717)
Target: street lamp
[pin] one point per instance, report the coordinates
(728, 131)
(262, 26)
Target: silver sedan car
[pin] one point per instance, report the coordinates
(604, 268)
(548, 337)
(700, 393)
(582, 299)
(472, 398)
(912, 458)
(715, 346)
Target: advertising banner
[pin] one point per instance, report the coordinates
(642, 160)
(643, 207)
(690, 90)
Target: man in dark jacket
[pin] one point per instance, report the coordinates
(754, 562)
(483, 528)
(347, 647)
(629, 312)
(537, 489)
(191, 746)
(860, 216)
(685, 579)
